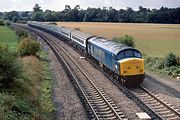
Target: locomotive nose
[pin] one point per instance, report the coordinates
(133, 66)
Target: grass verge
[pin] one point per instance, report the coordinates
(46, 91)
(157, 66)
(30, 97)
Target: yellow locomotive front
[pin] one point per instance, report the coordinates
(131, 68)
(132, 71)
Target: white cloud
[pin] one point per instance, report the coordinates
(24, 5)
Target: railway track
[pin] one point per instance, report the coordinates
(147, 100)
(144, 98)
(163, 109)
(99, 104)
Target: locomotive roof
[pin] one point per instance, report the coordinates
(109, 45)
(81, 34)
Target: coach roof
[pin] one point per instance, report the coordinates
(65, 29)
(81, 34)
(109, 45)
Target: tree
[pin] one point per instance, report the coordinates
(37, 8)
(1, 22)
(12, 14)
(49, 16)
(113, 15)
(1, 14)
(67, 7)
(81, 15)
(129, 14)
(162, 15)
(150, 17)
(38, 16)
(77, 7)
(122, 16)
(105, 14)
(127, 40)
(25, 14)
(57, 16)
(76, 12)
(69, 14)
(15, 19)
(90, 15)
(141, 9)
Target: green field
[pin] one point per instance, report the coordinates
(152, 39)
(158, 48)
(8, 37)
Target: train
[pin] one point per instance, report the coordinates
(122, 62)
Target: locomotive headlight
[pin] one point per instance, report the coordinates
(141, 70)
(116, 66)
(125, 71)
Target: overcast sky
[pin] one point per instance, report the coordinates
(57, 5)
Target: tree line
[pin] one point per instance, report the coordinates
(76, 14)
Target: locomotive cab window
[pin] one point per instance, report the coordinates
(121, 55)
(137, 54)
(132, 53)
(129, 53)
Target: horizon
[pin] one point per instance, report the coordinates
(20, 5)
(90, 7)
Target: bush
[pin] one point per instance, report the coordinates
(170, 60)
(168, 65)
(28, 47)
(9, 68)
(127, 40)
(21, 34)
(77, 29)
(52, 23)
(155, 63)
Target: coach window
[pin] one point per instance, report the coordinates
(121, 55)
(129, 53)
